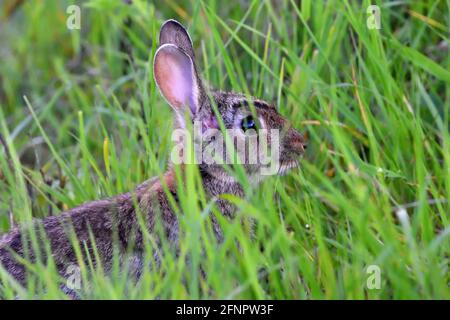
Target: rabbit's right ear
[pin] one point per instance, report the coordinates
(173, 32)
(175, 71)
(176, 78)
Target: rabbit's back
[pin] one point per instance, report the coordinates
(96, 227)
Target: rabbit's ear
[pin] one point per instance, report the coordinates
(173, 32)
(176, 78)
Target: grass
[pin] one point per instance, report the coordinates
(83, 120)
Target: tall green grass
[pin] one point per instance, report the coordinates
(82, 120)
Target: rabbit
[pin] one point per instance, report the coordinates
(178, 80)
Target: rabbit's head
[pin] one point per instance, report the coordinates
(259, 138)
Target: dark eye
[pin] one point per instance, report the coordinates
(248, 123)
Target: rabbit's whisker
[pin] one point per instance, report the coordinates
(286, 166)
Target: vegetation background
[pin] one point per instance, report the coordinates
(81, 119)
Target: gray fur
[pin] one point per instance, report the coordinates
(113, 222)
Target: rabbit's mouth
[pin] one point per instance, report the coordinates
(287, 166)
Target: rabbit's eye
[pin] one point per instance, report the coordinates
(248, 123)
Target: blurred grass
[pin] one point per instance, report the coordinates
(83, 120)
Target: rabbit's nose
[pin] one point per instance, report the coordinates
(305, 145)
(298, 146)
(295, 141)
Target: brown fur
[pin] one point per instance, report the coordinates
(117, 217)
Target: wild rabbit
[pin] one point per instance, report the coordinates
(177, 78)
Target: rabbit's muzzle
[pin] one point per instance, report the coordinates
(294, 143)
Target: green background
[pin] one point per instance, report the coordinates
(82, 119)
